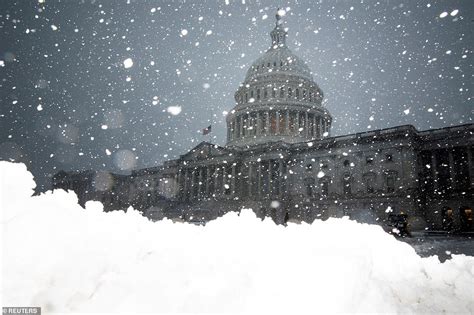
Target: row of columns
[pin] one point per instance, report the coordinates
(253, 180)
(435, 172)
(261, 123)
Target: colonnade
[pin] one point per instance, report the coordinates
(238, 180)
(278, 122)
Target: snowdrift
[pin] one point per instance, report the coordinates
(66, 259)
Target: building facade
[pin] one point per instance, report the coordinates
(281, 160)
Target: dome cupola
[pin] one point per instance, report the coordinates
(278, 100)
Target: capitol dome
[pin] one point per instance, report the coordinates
(278, 60)
(278, 100)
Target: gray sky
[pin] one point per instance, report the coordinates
(62, 76)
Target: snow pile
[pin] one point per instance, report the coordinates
(65, 259)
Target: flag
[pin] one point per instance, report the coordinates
(207, 130)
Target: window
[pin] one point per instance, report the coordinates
(369, 180)
(273, 92)
(263, 119)
(246, 98)
(265, 93)
(281, 122)
(258, 94)
(273, 122)
(369, 160)
(297, 93)
(346, 182)
(290, 92)
(251, 94)
(304, 94)
(390, 179)
(309, 185)
(324, 187)
(346, 163)
(274, 63)
(388, 158)
(282, 92)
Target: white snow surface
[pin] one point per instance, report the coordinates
(66, 259)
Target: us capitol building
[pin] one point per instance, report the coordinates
(281, 160)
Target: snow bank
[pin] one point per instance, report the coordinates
(65, 259)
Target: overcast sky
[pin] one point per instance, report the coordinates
(68, 100)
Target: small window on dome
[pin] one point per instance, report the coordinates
(274, 63)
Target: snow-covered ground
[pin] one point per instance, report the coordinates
(64, 259)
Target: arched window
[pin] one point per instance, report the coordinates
(274, 63)
(273, 92)
(281, 63)
(258, 94)
(246, 98)
(251, 94)
(290, 92)
(265, 93)
(304, 95)
(282, 92)
(297, 93)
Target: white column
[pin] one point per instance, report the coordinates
(267, 128)
(297, 122)
(451, 168)
(306, 125)
(280, 177)
(233, 190)
(250, 184)
(270, 181)
(259, 123)
(241, 132)
(193, 182)
(277, 116)
(208, 177)
(186, 183)
(315, 130)
(259, 178)
(200, 182)
(469, 166)
(434, 171)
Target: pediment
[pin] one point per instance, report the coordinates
(204, 150)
